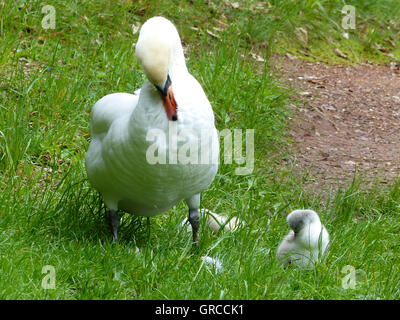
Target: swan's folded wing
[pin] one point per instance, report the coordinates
(108, 109)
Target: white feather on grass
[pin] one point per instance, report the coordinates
(214, 263)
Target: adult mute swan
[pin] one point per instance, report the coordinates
(137, 158)
(306, 242)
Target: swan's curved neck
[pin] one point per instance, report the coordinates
(178, 63)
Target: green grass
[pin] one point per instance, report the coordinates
(377, 27)
(49, 214)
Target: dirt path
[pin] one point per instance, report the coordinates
(348, 119)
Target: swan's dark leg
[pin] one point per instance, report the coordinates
(194, 220)
(114, 223)
(194, 203)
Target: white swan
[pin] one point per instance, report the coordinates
(127, 128)
(306, 242)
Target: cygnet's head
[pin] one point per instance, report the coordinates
(157, 49)
(298, 219)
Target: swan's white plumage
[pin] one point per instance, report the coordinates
(306, 242)
(116, 161)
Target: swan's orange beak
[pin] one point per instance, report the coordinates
(170, 104)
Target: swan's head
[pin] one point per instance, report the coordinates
(156, 50)
(298, 219)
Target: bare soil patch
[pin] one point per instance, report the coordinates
(347, 120)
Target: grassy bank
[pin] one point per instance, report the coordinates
(49, 215)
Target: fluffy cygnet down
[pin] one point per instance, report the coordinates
(306, 242)
(215, 221)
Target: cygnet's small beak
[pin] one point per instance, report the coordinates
(168, 99)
